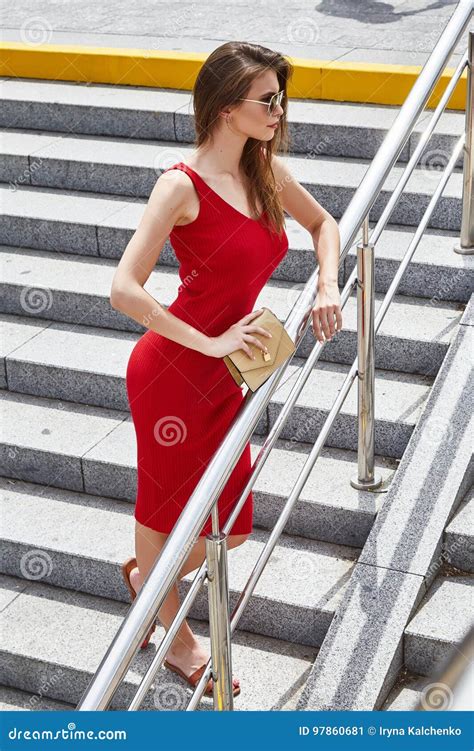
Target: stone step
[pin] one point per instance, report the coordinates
(399, 400)
(295, 598)
(435, 271)
(432, 643)
(93, 451)
(55, 455)
(413, 337)
(127, 168)
(68, 435)
(96, 225)
(458, 546)
(316, 127)
(11, 699)
(437, 629)
(404, 697)
(47, 647)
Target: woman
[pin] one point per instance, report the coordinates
(223, 211)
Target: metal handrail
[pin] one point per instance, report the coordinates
(201, 503)
(465, 246)
(335, 409)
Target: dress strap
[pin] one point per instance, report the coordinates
(199, 183)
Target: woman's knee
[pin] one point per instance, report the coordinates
(148, 545)
(198, 552)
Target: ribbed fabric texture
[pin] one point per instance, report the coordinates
(181, 401)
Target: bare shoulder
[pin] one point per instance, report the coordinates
(174, 192)
(295, 199)
(174, 182)
(280, 168)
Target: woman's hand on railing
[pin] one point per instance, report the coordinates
(326, 311)
(236, 337)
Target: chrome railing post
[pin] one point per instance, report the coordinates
(365, 364)
(219, 616)
(466, 243)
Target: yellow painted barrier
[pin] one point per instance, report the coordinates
(372, 83)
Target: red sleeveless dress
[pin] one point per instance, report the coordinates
(182, 402)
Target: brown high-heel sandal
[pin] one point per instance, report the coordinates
(195, 677)
(127, 566)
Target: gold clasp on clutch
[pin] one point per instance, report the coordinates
(266, 356)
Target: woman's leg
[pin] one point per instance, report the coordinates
(185, 650)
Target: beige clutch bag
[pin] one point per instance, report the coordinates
(280, 347)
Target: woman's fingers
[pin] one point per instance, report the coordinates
(317, 328)
(259, 329)
(251, 316)
(325, 324)
(254, 340)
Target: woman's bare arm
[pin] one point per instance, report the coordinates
(166, 205)
(308, 212)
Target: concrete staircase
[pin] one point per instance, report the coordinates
(78, 164)
(433, 635)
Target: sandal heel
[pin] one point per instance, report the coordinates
(195, 677)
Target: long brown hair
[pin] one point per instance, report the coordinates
(226, 75)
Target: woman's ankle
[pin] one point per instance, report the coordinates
(183, 646)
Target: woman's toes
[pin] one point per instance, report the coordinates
(235, 683)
